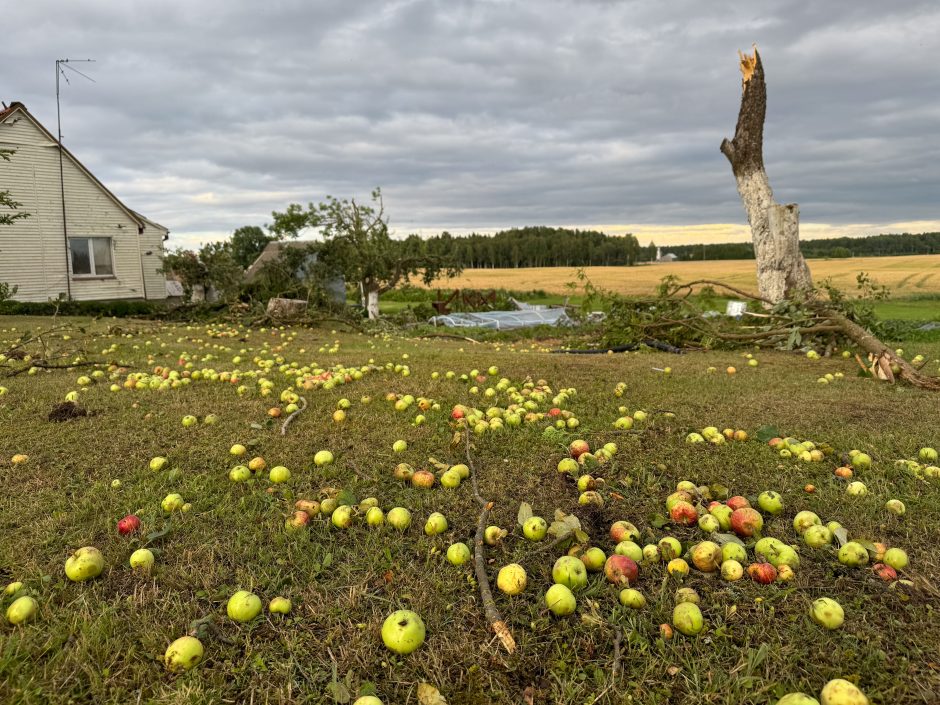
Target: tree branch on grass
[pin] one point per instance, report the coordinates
(294, 415)
(479, 561)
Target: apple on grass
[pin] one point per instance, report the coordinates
(687, 618)
(827, 613)
(570, 572)
(21, 610)
(86, 563)
(128, 525)
(560, 600)
(594, 559)
(458, 553)
(842, 692)
(399, 518)
(141, 560)
(535, 528)
(403, 632)
(280, 605)
(512, 579)
(243, 606)
(183, 654)
(632, 598)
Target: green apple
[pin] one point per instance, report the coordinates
(403, 631)
(927, 455)
(895, 506)
(687, 594)
(189, 420)
(861, 461)
(594, 559)
(842, 692)
(436, 524)
(535, 528)
(493, 535)
(560, 600)
(629, 597)
(630, 550)
(13, 588)
(805, 519)
(323, 458)
(853, 554)
(511, 579)
(279, 474)
(669, 548)
(687, 618)
(797, 699)
(856, 489)
(450, 479)
(651, 553)
(240, 473)
(342, 517)
(569, 466)
(399, 446)
(570, 572)
(243, 606)
(280, 605)
(708, 523)
(817, 536)
(172, 502)
(238, 450)
(827, 613)
(141, 560)
(86, 563)
(399, 517)
(183, 654)
(22, 609)
(158, 463)
(770, 502)
(375, 516)
(896, 558)
(732, 551)
(458, 553)
(732, 570)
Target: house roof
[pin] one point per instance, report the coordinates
(271, 252)
(134, 215)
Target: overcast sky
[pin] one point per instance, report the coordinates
(208, 114)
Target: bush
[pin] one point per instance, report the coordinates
(121, 308)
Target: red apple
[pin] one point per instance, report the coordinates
(457, 413)
(737, 502)
(621, 570)
(554, 411)
(746, 521)
(578, 448)
(128, 525)
(423, 479)
(623, 531)
(762, 573)
(683, 513)
(885, 572)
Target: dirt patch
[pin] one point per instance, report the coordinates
(65, 411)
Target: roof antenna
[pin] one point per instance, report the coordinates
(60, 66)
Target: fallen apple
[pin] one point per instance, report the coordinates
(746, 521)
(492, 535)
(622, 531)
(570, 572)
(687, 594)
(128, 525)
(677, 567)
(400, 446)
(399, 517)
(885, 572)
(732, 570)
(183, 654)
(632, 598)
(141, 560)
(805, 519)
(560, 600)
(323, 458)
(158, 463)
(458, 553)
(817, 536)
(621, 570)
(511, 579)
(797, 699)
(594, 559)
(669, 548)
(279, 474)
(687, 618)
(243, 606)
(683, 513)
(279, 605)
(375, 516)
(827, 613)
(535, 528)
(21, 610)
(342, 517)
(733, 551)
(423, 479)
(770, 502)
(763, 573)
(86, 563)
(895, 506)
(172, 502)
(853, 554)
(896, 558)
(842, 692)
(707, 556)
(436, 524)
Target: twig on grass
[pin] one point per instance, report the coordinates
(294, 415)
(615, 668)
(450, 336)
(479, 562)
(46, 366)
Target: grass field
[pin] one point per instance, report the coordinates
(905, 276)
(103, 640)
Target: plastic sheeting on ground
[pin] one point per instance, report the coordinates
(504, 320)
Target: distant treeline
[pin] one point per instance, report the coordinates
(540, 246)
(870, 246)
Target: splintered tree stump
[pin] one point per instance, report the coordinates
(775, 228)
(286, 309)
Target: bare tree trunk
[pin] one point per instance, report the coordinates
(372, 304)
(775, 228)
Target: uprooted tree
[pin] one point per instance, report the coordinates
(789, 311)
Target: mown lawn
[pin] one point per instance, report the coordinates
(103, 641)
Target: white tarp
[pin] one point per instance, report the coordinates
(504, 320)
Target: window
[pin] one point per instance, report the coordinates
(91, 257)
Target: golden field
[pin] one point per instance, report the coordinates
(905, 276)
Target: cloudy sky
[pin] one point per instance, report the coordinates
(477, 115)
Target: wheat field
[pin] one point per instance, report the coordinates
(904, 276)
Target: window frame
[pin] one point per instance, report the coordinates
(91, 257)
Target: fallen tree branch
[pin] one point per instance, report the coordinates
(294, 415)
(722, 285)
(47, 366)
(449, 336)
(479, 561)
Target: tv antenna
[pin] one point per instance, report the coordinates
(60, 71)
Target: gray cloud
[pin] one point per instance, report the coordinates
(206, 116)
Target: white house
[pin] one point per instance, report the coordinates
(99, 250)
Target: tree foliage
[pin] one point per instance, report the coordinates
(6, 199)
(247, 243)
(357, 244)
(539, 246)
(212, 266)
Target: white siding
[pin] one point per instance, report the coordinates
(32, 250)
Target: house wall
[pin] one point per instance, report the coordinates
(33, 255)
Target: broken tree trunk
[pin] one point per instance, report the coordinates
(775, 228)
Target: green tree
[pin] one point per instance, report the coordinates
(6, 199)
(247, 243)
(357, 244)
(213, 266)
